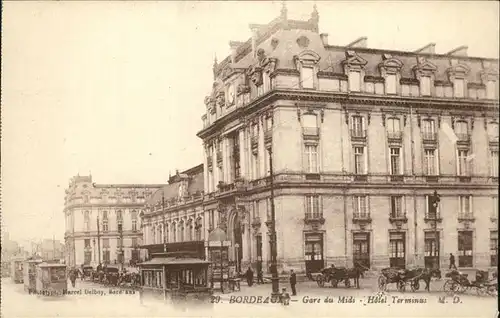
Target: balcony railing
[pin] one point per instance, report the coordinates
(358, 134)
(394, 135)
(466, 217)
(268, 135)
(463, 137)
(433, 218)
(429, 136)
(360, 177)
(310, 131)
(397, 178)
(315, 218)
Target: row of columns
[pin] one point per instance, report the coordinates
(247, 165)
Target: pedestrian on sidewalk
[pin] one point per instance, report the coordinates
(260, 279)
(249, 275)
(284, 297)
(72, 277)
(452, 262)
(293, 282)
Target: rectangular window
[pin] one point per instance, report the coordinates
(390, 84)
(393, 125)
(495, 208)
(465, 243)
(463, 163)
(359, 160)
(134, 242)
(458, 88)
(105, 242)
(428, 126)
(357, 126)
(425, 86)
(312, 158)
(307, 77)
(430, 162)
(106, 257)
(464, 207)
(360, 209)
(397, 207)
(494, 163)
(87, 243)
(493, 248)
(491, 90)
(397, 250)
(87, 220)
(87, 257)
(354, 81)
(431, 212)
(312, 207)
(395, 161)
(431, 249)
(105, 225)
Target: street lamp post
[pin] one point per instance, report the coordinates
(435, 204)
(237, 247)
(274, 269)
(93, 243)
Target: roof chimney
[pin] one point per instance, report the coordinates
(234, 47)
(255, 33)
(459, 51)
(324, 38)
(428, 49)
(361, 42)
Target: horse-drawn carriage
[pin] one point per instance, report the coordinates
(459, 283)
(87, 272)
(406, 277)
(333, 275)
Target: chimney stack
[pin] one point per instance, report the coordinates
(362, 42)
(234, 47)
(255, 32)
(459, 51)
(428, 49)
(324, 38)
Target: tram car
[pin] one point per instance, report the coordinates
(29, 274)
(16, 270)
(51, 279)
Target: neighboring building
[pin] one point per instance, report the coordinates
(49, 249)
(103, 220)
(11, 248)
(360, 138)
(183, 224)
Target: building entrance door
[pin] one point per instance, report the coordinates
(314, 252)
(431, 257)
(397, 249)
(361, 249)
(238, 242)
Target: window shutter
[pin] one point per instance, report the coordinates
(471, 210)
(401, 161)
(426, 205)
(365, 157)
(436, 161)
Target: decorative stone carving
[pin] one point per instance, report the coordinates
(303, 42)
(227, 71)
(220, 99)
(242, 89)
(261, 55)
(274, 43)
(255, 74)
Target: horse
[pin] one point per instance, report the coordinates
(428, 274)
(356, 272)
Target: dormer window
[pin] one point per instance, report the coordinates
(390, 84)
(459, 88)
(307, 77)
(354, 81)
(491, 90)
(425, 86)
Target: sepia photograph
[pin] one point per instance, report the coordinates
(249, 159)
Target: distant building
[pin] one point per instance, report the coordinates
(10, 248)
(360, 139)
(49, 249)
(103, 221)
(174, 218)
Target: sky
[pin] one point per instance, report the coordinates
(116, 88)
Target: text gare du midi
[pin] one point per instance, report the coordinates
(340, 300)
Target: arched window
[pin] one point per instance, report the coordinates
(133, 216)
(159, 239)
(105, 221)
(153, 234)
(461, 129)
(174, 232)
(167, 233)
(190, 230)
(181, 231)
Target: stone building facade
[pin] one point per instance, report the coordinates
(360, 139)
(94, 214)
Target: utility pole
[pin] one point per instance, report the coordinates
(163, 215)
(274, 269)
(412, 150)
(98, 240)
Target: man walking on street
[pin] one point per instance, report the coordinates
(293, 282)
(249, 275)
(452, 261)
